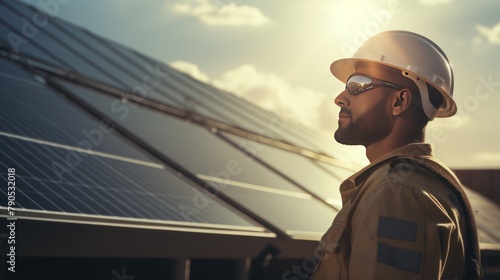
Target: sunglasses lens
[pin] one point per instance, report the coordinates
(357, 84)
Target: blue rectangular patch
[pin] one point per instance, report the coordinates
(397, 229)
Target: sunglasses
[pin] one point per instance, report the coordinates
(357, 84)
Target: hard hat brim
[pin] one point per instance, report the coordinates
(343, 68)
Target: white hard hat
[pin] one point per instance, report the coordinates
(418, 58)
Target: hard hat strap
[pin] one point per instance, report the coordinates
(429, 109)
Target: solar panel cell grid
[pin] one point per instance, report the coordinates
(141, 80)
(176, 89)
(288, 212)
(39, 136)
(233, 110)
(102, 186)
(192, 146)
(203, 153)
(304, 171)
(37, 112)
(17, 43)
(54, 45)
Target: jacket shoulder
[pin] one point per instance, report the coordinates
(402, 171)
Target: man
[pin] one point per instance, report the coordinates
(405, 215)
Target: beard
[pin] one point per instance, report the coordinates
(370, 127)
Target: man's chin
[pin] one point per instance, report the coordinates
(344, 138)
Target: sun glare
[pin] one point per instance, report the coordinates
(350, 23)
(345, 16)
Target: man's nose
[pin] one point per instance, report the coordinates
(342, 99)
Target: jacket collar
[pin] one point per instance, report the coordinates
(348, 187)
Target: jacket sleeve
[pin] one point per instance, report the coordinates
(400, 232)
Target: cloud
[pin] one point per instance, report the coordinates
(461, 120)
(487, 156)
(222, 12)
(271, 92)
(190, 69)
(433, 2)
(492, 34)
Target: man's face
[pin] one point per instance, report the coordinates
(364, 119)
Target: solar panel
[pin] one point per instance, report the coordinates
(170, 86)
(156, 80)
(34, 111)
(305, 171)
(97, 185)
(487, 215)
(128, 67)
(192, 146)
(39, 136)
(219, 164)
(17, 43)
(229, 109)
(80, 55)
(294, 213)
(56, 46)
(145, 81)
(219, 105)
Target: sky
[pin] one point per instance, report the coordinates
(277, 53)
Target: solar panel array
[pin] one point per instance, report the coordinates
(94, 128)
(67, 162)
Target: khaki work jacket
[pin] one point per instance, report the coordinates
(399, 221)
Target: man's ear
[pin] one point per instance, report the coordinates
(401, 102)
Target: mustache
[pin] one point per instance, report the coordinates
(345, 111)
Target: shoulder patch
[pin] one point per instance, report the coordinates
(397, 229)
(399, 258)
